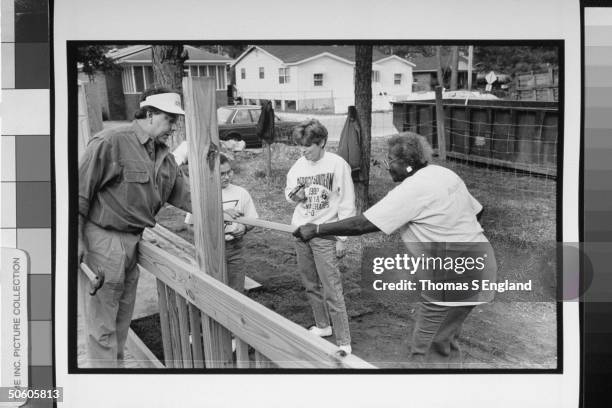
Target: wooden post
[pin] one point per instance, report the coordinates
(203, 141)
(195, 323)
(175, 330)
(183, 318)
(440, 130)
(164, 320)
(242, 354)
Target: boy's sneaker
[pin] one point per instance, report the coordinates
(346, 348)
(325, 332)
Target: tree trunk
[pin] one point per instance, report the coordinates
(454, 67)
(363, 105)
(168, 67)
(440, 74)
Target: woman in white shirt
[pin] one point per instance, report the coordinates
(430, 205)
(320, 185)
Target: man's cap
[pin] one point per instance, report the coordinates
(168, 102)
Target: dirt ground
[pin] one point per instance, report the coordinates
(503, 334)
(496, 335)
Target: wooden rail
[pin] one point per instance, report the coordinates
(184, 291)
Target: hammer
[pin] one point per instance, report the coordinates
(95, 281)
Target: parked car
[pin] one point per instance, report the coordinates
(239, 122)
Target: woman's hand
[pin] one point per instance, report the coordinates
(306, 232)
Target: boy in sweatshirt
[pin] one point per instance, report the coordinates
(320, 184)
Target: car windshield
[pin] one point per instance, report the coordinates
(223, 114)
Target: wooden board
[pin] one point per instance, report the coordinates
(256, 222)
(182, 248)
(141, 353)
(164, 323)
(242, 354)
(282, 341)
(205, 186)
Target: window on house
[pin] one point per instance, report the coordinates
(290, 105)
(375, 76)
(283, 75)
(221, 77)
(242, 73)
(261, 73)
(318, 79)
(397, 79)
(137, 78)
(213, 71)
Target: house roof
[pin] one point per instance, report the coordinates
(118, 53)
(426, 64)
(293, 54)
(142, 54)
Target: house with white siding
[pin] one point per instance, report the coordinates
(317, 77)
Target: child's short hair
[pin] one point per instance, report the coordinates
(309, 132)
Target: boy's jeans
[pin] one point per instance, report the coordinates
(318, 269)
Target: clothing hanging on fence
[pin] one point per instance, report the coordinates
(265, 125)
(349, 147)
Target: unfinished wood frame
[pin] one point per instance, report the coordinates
(285, 343)
(198, 311)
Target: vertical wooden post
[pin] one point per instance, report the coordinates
(432, 113)
(203, 141)
(183, 318)
(440, 129)
(242, 354)
(175, 330)
(164, 321)
(195, 323)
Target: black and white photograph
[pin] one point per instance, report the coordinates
(271, 206)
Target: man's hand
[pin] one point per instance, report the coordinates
(306, 232)
(82, 250)
(82, 244)
(340, 249)
(233, 213)
(238, 231)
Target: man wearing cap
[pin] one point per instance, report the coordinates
(125, 176)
